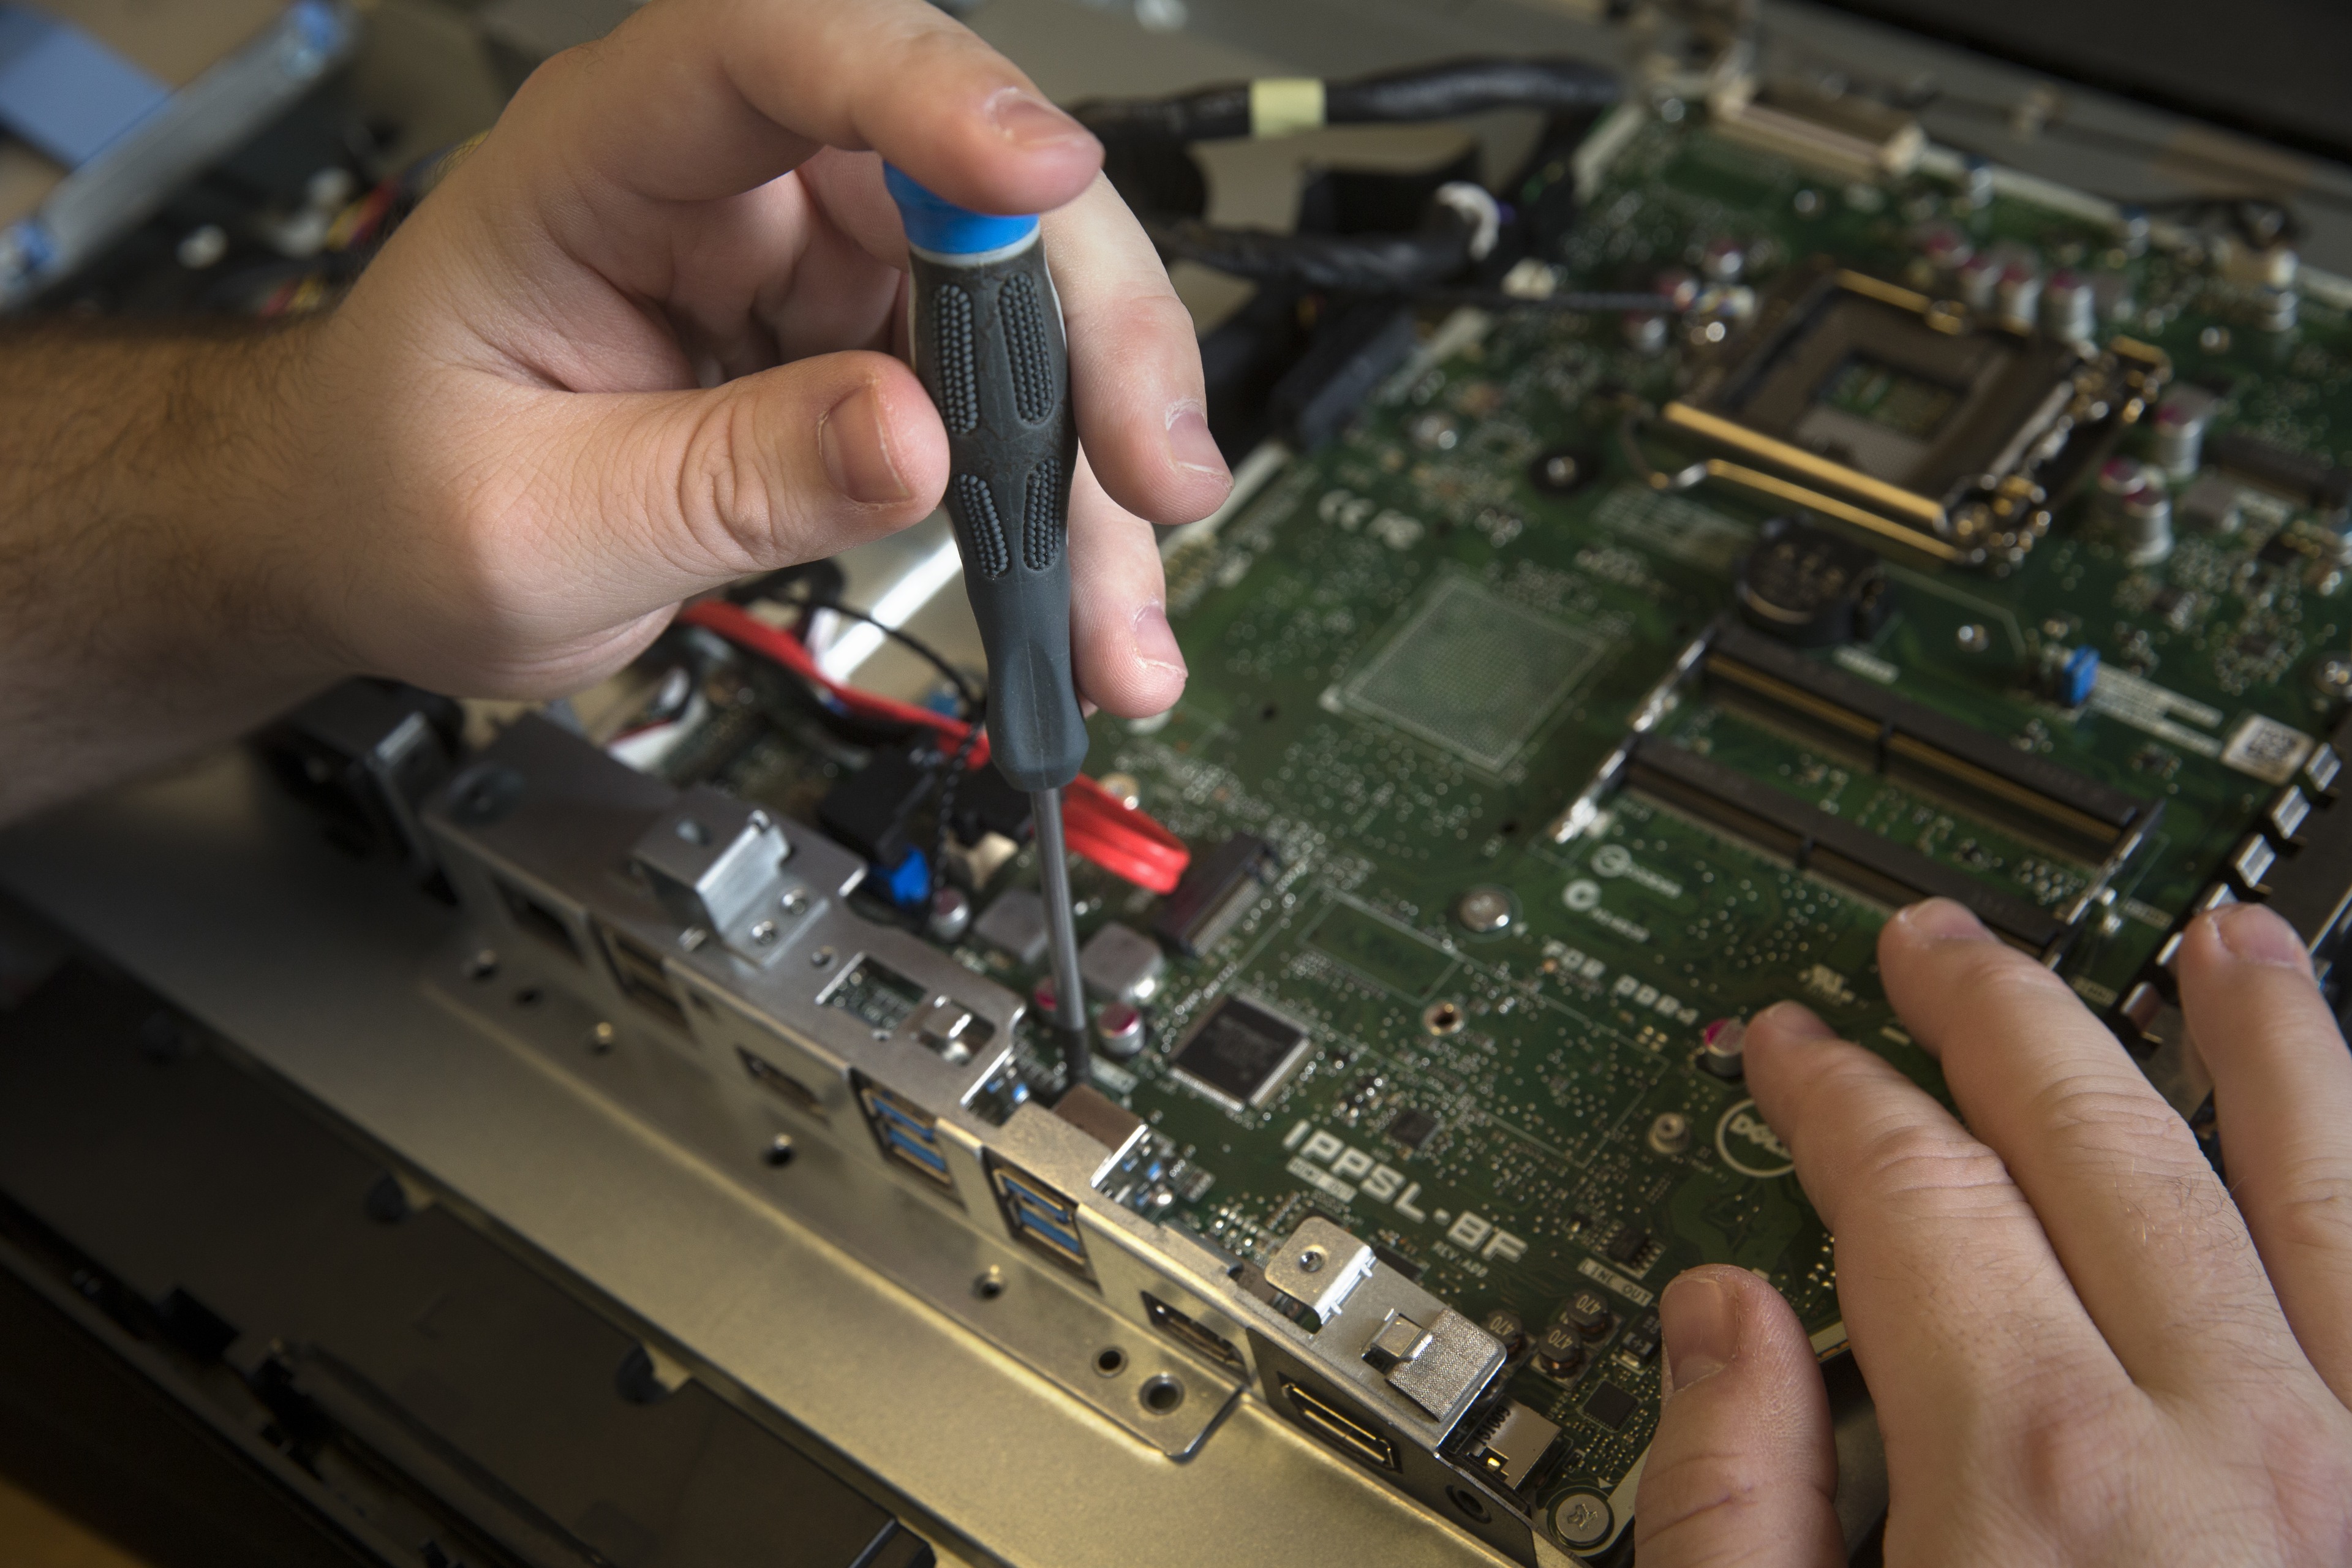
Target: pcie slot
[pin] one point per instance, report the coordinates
(1905, 737)
(1831, 846)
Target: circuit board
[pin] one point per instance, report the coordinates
(1475, 1020)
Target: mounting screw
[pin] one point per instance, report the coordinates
(822, 957)
(765, 933)
(1670, 1133)
(600, 1038)
(1311, 1261)
(794, 901)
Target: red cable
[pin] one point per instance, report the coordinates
(1122, 839)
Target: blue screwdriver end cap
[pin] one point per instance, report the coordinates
(939, 226)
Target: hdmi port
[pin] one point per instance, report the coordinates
(1187, 1333)
(1338, 1428)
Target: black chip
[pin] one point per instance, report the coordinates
(2255, 645)
(2167, 600)
(1411, 1128)
(1627, 1244)
(1241, 1053)
(1611, 1406)
(1640, 1341)
(2279, 550)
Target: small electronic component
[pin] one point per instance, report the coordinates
(1119, 1031)
(1412, 1127)
(2138, 507)
(2180, 421)
(1812, 587)
(1559, 1351)
(2068, 675)
(1630, 1242)
(1611, 1406)
(1588, 1313)
(2310, 481)
(1216, 891)
(1640, 1340)
(2211, 504)
(1723, 1049)
(1121, 963)
(1240, 1053)
(1014, 925)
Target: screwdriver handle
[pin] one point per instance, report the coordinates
(990, 349)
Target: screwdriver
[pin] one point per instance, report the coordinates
(988, 348)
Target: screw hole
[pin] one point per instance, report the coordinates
(1110, 1361)
(483, 966)
(530, 996)
(990, 1284)
(692, 831)
(1469, 1502)
(1162, 1394)
(778, 1152)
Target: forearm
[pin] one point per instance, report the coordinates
(145, 496)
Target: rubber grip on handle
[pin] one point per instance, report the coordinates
(988, 348)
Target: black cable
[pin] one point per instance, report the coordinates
(906, 640)
(1357, 264)
(1442, 91)
(958, 762)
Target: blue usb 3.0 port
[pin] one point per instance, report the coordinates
(1040, 1217)
(906, 1133)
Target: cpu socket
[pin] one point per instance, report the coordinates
(1878, 406)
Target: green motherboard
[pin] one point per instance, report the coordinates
(1472, 1014)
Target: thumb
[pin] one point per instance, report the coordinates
(1741, 1470)
(670, 493)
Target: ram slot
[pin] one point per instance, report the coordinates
(1905, 738)
(1831, 846)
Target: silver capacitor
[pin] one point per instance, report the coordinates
(2016, 292)
(1976, 280)
(2069, 308)
(2139, 507)
(2180, 420)
(1119, 1031)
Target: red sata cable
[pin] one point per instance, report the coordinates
(1122, 841)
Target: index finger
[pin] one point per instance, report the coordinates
(697, 99)
(1958, 1308)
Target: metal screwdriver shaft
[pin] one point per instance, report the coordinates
(989, 347)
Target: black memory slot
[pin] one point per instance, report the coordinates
(1812, 840)
(1903, 737)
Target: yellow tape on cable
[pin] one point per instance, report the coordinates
(1280, 105)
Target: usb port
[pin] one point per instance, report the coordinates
(1040, 1216)
(1342, 1431)
(906, 1133)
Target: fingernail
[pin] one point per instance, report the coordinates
(1027, 121)
(1700, 1320)
(1792, 1021)
(1941, 920)
(1155, 639)
(856, 453)
(1189, 442)
(2251, 934)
